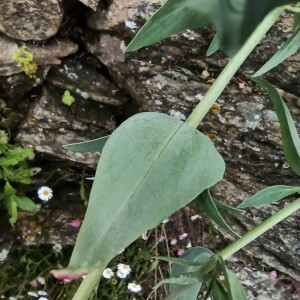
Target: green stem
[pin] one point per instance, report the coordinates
(88, 285)
(234, 64)
(260, 229)
(292, 9)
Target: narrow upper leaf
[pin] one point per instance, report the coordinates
(95, 145)
(289, 134)
(214, 45)
(287, 49)
(150, 167)
(270, 194)
(173, 17)
(224, 207)
(206, 203)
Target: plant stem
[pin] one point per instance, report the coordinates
(260, 229)
(88, 285)
(231, 68)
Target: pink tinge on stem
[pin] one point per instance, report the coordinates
(67, 275)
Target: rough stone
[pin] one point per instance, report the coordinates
(31, 19)
(86, 80)
(51, 124)
(43, 55)
(90, 3)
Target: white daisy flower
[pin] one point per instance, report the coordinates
(123, 270)
(33, 294)
(183, 236)
(3, 255)
(108, 273)
(45, 193)
(133, 287)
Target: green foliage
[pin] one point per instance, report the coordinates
(234, 20)
(173, 166)
(24, 57)
(214, 46)
(68, 99)
(289, 134)
(95, 145)
(287, 49)
(269, 195)
(206, 203)
(12, 201)
(14, 168)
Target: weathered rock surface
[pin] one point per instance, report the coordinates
(90, 3)
(30, 19)
(51, 124)
(43, 55)
(84, 79)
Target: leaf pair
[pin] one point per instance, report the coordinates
(198, 266)
(234, 20)
(13, 201)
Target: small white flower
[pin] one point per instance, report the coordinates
(195, 217)
(42, 293)
(45, 193)
(123, 270)
(33, 294)
(57, 247)
(108, 273)
(165, 221)
(43, 298)
(133, 287)
(3, 255)
(121, 275)
(183, 236)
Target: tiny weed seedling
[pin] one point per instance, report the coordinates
(14, 168)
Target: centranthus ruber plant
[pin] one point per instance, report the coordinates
(153, 164)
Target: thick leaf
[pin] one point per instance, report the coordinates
(207, 205)
(289, 134)
(287, 49)
(195, 254)
(25, 203)
(183, 279)
(225, 207)
(296, 21)
(235, 289)
(269, 195)
(214, 45)
(95, 145)
(174, 16)
(150, 167)
(218, 292)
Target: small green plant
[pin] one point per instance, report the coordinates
(67, 98)
(153, 164)
(14, 168)
(24, 58)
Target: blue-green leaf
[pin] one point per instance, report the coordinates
(224, 207)
(180, 261)
(150, 167)
(207, 205)
(270, 194)
(289, 134)
(214, 45)
(287, 49)
(217, 291)
(195, 254)
(296, 21)
(173, 17)
(95, 145)
(235, 289)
